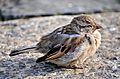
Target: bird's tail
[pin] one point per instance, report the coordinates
(21, 51)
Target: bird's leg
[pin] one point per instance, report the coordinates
(75, 67)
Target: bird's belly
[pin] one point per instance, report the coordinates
(70, 56)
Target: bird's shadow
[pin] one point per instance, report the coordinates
(23, 67)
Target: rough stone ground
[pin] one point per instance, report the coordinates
(25, 32)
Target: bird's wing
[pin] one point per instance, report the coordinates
(67, 43)
(48, 41)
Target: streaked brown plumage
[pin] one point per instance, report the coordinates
(69, 45)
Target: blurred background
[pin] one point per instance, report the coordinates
(12, 9)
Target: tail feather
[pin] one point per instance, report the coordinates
(21, 51)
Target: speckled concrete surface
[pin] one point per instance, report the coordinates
(26, 32)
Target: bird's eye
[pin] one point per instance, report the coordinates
(88, 22)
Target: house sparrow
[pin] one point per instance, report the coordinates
(69, 45)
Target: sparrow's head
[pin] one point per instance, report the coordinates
(85, 23)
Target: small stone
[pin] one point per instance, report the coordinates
(22, 65)
(114, 68)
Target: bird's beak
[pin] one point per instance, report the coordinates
(99, 27)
